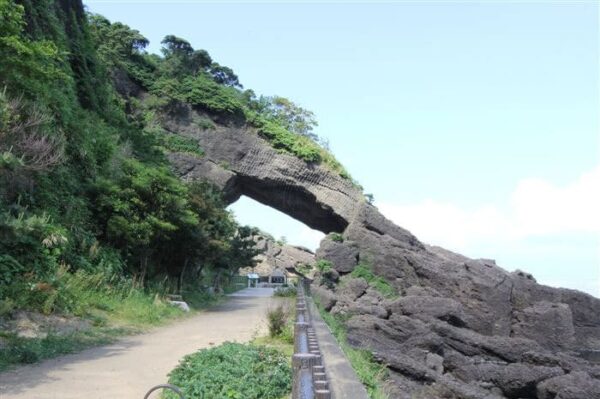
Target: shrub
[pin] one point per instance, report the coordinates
(177, 143)
(288, 292)
(211, 96)
(204, 123)
(233, 370)
(324, 266)
(35, 245)
(287, 334)
(277, 318)
(304, 268)
(377, 282)
(337, 237)
(6, 307)
(328, 274)
(10, 271)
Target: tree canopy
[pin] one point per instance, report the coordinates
(84, 180)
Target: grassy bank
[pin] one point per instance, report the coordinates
(370, 373)
(101, 308)
(19, 350)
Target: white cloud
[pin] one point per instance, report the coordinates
(540, 207)
(309, 238)
(536, 207)
(446, 224)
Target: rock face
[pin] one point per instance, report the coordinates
(242, 163)
(457, 328)
(462, 328)
(279, 256)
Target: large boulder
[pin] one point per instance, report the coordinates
(352, 289)
(276, 255)
(343, 256)
(516, 380)
(426, 307)
(549, 324)
(577, 385)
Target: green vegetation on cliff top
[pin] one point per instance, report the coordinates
(191, 76)
(88, 202)
(93, 222)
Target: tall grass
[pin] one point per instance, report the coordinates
(379, 283)
(113, 305)
(100, 296)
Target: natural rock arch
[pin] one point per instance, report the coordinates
(452, 312)
(242, 163)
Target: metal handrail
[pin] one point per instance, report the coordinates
(309, 380)
(165, 386)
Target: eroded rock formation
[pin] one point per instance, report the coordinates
(242, 163)
(457, 328)
(290, 259)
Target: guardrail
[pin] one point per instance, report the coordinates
(309, 379)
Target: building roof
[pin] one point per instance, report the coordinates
(278, 273)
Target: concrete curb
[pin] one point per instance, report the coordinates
(309, 376)
(344, 382)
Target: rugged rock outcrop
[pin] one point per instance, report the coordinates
(457, 328)
(274, 255)
(462, 328)
(242, 163)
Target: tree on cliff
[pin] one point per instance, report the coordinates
(288, 114)
(140, 209)
(181, 58)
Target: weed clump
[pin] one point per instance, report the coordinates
(233, 370)
(277, 319)
(377, 282)
(286, 292)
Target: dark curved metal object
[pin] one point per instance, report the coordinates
(165, 386)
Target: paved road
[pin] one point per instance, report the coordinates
(252, 292)
(129, 367)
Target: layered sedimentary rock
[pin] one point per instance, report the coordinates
(242, 163)
(274, 255)
(457, 327)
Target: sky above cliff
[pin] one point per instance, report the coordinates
(475, 125)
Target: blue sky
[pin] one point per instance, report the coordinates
(474, 124)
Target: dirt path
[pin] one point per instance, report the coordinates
(129, 367)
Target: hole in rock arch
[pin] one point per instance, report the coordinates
(250, 212)
(289, 197)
